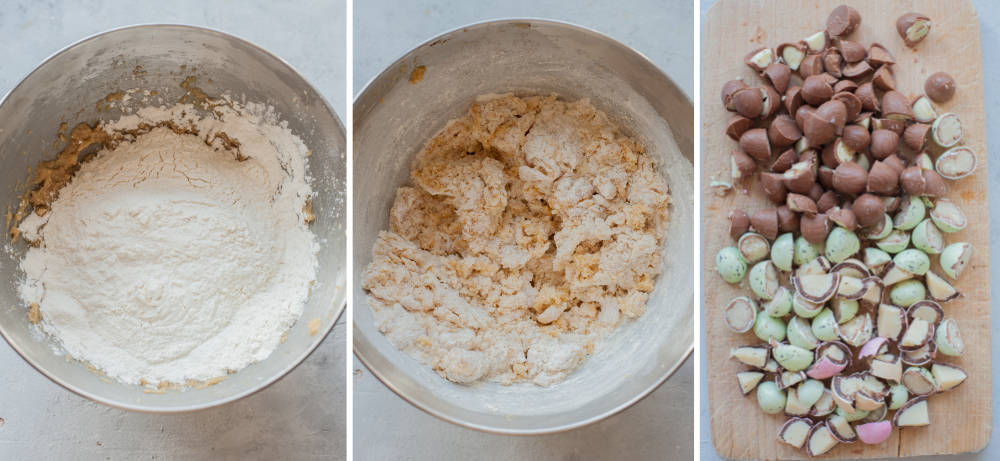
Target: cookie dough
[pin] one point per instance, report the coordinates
(533, 229)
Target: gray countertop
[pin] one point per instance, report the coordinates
(299, 417)
(658, 427)
(989, 22)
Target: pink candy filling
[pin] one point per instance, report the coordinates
(874, 433)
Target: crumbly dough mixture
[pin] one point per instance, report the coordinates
(533, 229)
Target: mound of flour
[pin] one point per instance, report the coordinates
(167, 258)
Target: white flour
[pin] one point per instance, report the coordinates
(166, 259)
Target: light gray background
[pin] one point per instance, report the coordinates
(989, 23)
(299, 417)
(658, 427)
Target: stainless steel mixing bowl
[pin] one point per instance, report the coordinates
(66, 88)
(393, 118)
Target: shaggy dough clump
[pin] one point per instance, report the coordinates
(534, 228)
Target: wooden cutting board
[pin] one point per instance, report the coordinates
(960, 418)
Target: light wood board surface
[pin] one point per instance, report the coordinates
(960, 419)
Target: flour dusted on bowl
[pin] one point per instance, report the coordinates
(533, 229)
(180, 252)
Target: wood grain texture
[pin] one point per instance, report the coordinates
(960, 418)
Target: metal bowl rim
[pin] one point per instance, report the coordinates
(555, 428)
(262, 384)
